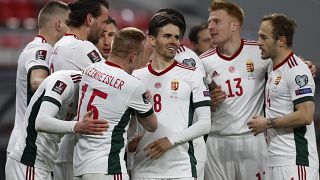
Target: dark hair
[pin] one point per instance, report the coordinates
(282, 26)
(164, 17)
(111, 20)
(232, 9)
(52, 8)
(126, 40)
(193, 34)
(81, 8)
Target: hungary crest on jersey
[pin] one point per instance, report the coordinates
(249, 65)
(174, 85)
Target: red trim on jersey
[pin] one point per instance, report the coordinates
(208, 53)
(162, 72)
(283, 62)
(181, 49)
(43, 39)
(179, 64)
(112, 64)
(69, 34)
(234, 55)
(247, 42)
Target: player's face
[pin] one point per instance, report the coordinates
(63, 28)
(220, 26)
(167, 41)
(267, 43)
(104, 44)
(98, 26)
(204, 41)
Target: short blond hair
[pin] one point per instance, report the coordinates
(232, 9)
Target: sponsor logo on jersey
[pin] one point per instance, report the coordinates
(303, 91)
(59, 87)
(146, 97)
(250, 65)
(232, 69)
(189, 62)
(174, 85)
(277, 80)
(301, 80)
(157, 85)
(41, 55)
(94, 56)
(215, 74)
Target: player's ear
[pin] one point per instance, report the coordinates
(282, 41)
(133, 56)
(89, 19)
(152, 40)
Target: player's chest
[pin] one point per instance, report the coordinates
(276, 85)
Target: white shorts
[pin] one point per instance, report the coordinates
(18, 171)
(63, 171)
(236, 157)
(200, 170)
(102, 177)
(292, 173)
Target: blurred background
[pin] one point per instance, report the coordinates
(18, 26)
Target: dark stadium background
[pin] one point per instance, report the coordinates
(18, 27)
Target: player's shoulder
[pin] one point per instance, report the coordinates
(184, 67)
(209, 53)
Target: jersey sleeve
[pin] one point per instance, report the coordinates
(301, 84)
(57, 89)
(140, 101)
(86, 54)
(200, 90)
(38, 59)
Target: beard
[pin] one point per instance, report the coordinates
(94, 38)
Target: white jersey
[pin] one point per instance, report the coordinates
(289, 84)
(113, 94)
(34, 56)
(39, 149)
(71, 53)
(242, 77)
(189, 57)
(177, 91)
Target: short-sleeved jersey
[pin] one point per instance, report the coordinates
(177, 91)
(39, 149)
(113, 94)
(188, 57)
(242, 76)
(34, 56)
(289, 84)
(72, 53)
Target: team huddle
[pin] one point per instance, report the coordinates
(97, 103)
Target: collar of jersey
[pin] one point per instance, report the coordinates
(43, 39)
(283, 62)
(112, 64)
(233, 56)
(68, 34)
(163, 71)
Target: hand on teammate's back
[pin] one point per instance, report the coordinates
(91, 126)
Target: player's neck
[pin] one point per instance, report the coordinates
(159, 62)
(230, 47)
(280, 56)
(80, 32)
(48, 36)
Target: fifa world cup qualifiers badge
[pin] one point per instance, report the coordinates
(59, 87)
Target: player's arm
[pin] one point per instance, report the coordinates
(148, 121)
(46, 122)
(37, 75)
(301, 117)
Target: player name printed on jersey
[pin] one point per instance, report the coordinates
(105, 78)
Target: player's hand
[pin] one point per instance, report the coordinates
(257, 124)
(132, 145)
(91, 126)
(156, 149)
(217, 97)
(311, 66)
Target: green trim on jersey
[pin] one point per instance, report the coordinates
(30, 151)
(117, 143)
(303, 99)
(301, 146)
(52, 100)
(146, 114)
(193, 160)
(201, 103)
(29, 91)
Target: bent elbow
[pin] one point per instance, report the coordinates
(38, 124)
(308, 121)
